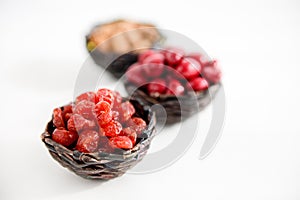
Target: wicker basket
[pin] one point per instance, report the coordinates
(103, 165)
(177, 108)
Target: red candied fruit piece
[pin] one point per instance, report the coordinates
(89, 96)
(104, 118)
(107, 95)
(212, 71)
(117, 99)
(88, 141)
(86, 109)
(144, 55)
(104, 145)
(64, 137)
(79, 123)
(173, 56)
(111, 129)
(102, 107)
(156, 86)
(199, 84)
(67, 112)
(153, 70)
(189, 68)
(58, 118)
(137, 124)
(157, 58)
(130, 133)
(126, 110)
(175, 88)
(135, 75)
(121, 142)
(115, 115)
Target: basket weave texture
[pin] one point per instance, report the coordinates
(102, 165)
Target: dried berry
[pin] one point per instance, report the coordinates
(79, 123)
(135, 75)
(86, 109)
(104, 118)
(111, 129)
(130, 133)
(137, 124)
(175, 88)
(157, 86)
(121, 142)
(199, 84)
(58, 118)
(189, 68)
(88, 141)
(89, 96)
(64, 137)
(102, 107)
(126, 110)
(173, 56)
(107, 95)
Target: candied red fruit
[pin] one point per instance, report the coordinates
(130, 133)
(126, 110)
(86, 109)
(111, 129)
(212, 72)
(64, 137)
(138, 125)
(79, 123)
(88, 141)
(173, 56)
(58, 118)
(104, 118)
(199, 84)
(175, 88)
(107, 95)
(89, 96)
(121, 142)
(144, 55)
(135, 75)
(102, 107)
(189, 68)
(156, 86)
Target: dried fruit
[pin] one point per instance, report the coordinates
(156, 86)
(121, 142)
(64, 137)
(89, 96)
(189, 68)
(88, 141)
(130, 133)
(79, 123)
(111, 129)
(58, 118)
(199, 84)
(86, 109)
(137, 124)
(175, 88)
(107, 95)
(126, 110)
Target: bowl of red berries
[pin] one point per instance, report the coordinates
(183, 83)
(100, 135)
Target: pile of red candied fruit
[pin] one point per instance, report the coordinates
(172, 72)
(97, 122)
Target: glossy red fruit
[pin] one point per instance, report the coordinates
(102, 107)
(86, 109)
(135, 75)
(89, 96)
(173, 56)
(130, 133)
(137, 124)
(212, 72)
(111, 129)
(126, 110)
(157, 86)
(79, 123)
(199, 84)
(67, 112)
(104, 145)
(58, 118)
(88, 141)
(153, 70)
(144, 55)
(64, 137)
(105, 118)
(117, 99)
(189, 68)
(156, 58)
(175, 88)
(115, 115)
(121, 142)
(107, 95)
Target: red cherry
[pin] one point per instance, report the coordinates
(111, 129)
(144, 55)
(189, 68)
(121, 142)
(88, 141)
(58, 118)
(107, 95)
(64, 137)
(89, 96)
(199, 84)
(157, 86)
(175, 88)
(130, 133)
(135, 75)
(173, 56)
(86, 109)
(67, 112)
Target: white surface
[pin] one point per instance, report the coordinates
(258, 44)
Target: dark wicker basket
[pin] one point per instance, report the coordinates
(103, 165)
(177, 108)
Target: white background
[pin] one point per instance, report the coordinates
(258, 45)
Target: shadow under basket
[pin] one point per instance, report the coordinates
(102, 165)
(177, 108)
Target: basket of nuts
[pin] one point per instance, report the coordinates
(182, 83)
(101, 135)
(116, 45)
